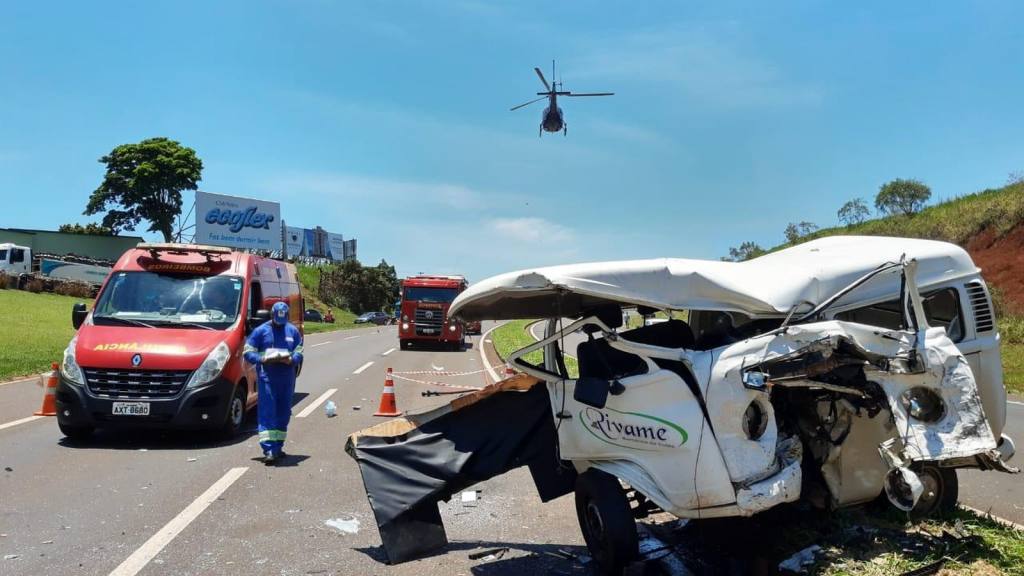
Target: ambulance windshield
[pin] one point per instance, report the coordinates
(151, 299)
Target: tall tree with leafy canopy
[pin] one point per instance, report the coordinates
(144, 182)
(90, 228)
(902, 197)
(854, 212)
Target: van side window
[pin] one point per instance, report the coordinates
(941, 308)
(18, 255)
(255, 298)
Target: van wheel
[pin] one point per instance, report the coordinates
(606, 521)
(941, 491)
(236, 413)
(77, 433)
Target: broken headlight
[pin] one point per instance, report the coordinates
(923, 404)
(755, 420)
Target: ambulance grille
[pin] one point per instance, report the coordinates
(983, 320)
(136, 383)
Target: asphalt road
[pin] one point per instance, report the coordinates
(998, 493)
(124, 500)
(174, 503)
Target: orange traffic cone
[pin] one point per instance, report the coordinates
(388, 407)
(49, 407)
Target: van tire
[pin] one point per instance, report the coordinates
(606, 521)
(235, 416)
(941, 491)
(76, 433)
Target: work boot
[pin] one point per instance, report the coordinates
(268, 458)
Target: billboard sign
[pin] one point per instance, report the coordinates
(237, 222)
(295, 241)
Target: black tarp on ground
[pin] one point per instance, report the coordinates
(406, 475)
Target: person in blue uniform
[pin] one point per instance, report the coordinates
(275, 347)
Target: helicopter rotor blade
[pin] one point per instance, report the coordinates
(542, 78)
(528, 103)
(590, 94)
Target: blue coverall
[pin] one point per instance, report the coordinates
(276, 381)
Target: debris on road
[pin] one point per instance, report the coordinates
(10, 556)
(357, 407)
(191, 459)
(331, 409)
(799, 562)
(469, 496)
(344, 525)
(488, 555)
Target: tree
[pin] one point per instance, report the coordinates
(854, 212)
(746, 251)
(796, 231)
(90, 228)
(1016, 177)
(902, 197)
(359, 288)
(144, 181)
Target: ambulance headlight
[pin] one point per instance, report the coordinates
(214, 364)
(69, 366)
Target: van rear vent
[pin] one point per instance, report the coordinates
(983, 321)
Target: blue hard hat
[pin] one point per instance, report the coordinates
(279, 313)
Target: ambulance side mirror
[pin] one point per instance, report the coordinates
(78, 314)
(258, 318)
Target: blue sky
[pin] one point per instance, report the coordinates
(389, 121)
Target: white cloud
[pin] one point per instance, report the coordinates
(709, 63)
(533, 230)
(357, 188)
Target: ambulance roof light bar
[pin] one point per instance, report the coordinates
(155, 248)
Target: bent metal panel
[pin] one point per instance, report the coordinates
(237, 222)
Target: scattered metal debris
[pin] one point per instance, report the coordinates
(344, 525)
(927, 569)
(799, 562)
(492, 554)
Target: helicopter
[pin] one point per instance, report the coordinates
(553, 120)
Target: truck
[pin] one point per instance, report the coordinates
(20, 262)
(424, 311)
(162, 346)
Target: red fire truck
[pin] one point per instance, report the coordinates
(424, 311)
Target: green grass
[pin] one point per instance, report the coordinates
(957, 220)
(1013, 367)
(514, 335)
(984, 547)
(37, 329)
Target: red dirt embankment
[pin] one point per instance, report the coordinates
(1002, 264)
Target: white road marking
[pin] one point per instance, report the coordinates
(1015, 402)
(363, 367)
(350, 337)
(321, 344)
(138, 560)
(21, 421)
(313, 406)
(490, 369)
(388, 352)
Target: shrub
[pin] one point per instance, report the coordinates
(34, 285)
(1011, 329)
(5, 281)
(77, 289)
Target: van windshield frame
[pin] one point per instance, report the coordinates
(170, 300)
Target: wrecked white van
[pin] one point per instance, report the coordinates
(829, 371)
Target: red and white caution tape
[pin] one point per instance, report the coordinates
(440, 372)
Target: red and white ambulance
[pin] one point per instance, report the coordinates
(162, 346)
